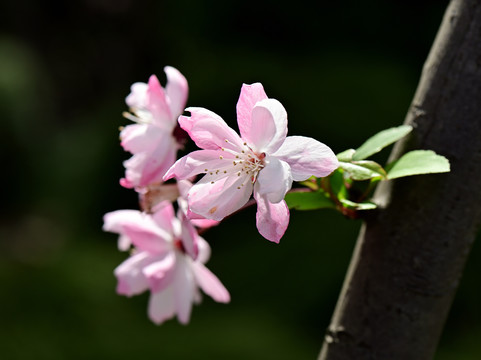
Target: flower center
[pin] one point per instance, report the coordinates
(179, 245)
(240, 164)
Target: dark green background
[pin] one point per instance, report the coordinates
(342, 70)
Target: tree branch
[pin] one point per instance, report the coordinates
(410, 254)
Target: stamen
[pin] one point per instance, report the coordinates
(134, 118)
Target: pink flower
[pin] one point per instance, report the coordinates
(151, 141)
(168, 259)
(262, 161)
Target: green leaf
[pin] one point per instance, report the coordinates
(379, 141)
(418, 162)
(363, 170)
(337, 183)
(308, 200)
(346, 155)
(358, 206)
(311, 183)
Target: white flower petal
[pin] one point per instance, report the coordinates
(130, 278)
(307, 157)
(204, 250)
(176, 90)
(208, 130)
(271, 219)
(162, 305)
(269, 119)
(249, 96)
(138, 95)
(209, 283)
(274, 180)
(196, 163)
(184, 289)
(216, 201)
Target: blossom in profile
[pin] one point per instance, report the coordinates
(168, 259)
(151, 139)
(262, 161)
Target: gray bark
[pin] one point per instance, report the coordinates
(410, 254)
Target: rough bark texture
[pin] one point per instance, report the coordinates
(411, 253)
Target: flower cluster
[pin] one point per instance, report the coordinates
(167, 252)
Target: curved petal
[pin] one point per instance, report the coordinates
(307, 157)
(204, 223)
(271, 219)
(130, 278)
(157, 104)
(137, 99)
(249, 96)
(209, 131)
(223, 197)
(114, 221)
(147, 168)
(209, 283)
(189, 236)
(198, 221)
(124, 243)
(162, 306)
(164, 216)
(184, 187)
(137, 138)
(160, 273)
(133, 170)
(139, 228)
(155, 242)
(204, 250)
(269, 121)
(176, 90)
(197, 162)
(274, 180)
(184, 289)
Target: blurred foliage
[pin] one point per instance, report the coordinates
(65, 69)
